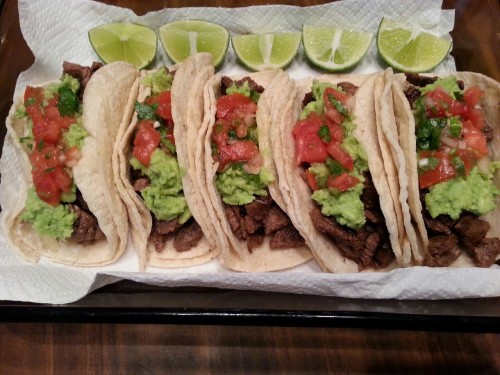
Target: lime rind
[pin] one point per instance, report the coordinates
(259, 52)
(134, 43)
(335, 49)
(411, 50)
(180, 39)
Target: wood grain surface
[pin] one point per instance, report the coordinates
(63, 348)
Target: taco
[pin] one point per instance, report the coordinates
(59, 198)
(449, 138)
(331, 174)
(153, 173)
(236, 173)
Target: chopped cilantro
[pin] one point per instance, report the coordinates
(68, 101)
(145, 111)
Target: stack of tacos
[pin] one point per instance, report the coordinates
(64, 204)
(331, 173)
(443, 135)
(236, 175)
(153, 173)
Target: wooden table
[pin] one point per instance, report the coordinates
(281, 342)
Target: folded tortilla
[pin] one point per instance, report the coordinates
(234, 252)
(186, 92)
(295, 190)
(104, 102)
(398, 126)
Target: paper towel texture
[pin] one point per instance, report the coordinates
(56, 30)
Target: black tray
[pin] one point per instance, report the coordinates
(130, 302)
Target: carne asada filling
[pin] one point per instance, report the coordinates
(335, 168)
(57, 208)
(447, 235)
(250, 210)
(155, 173)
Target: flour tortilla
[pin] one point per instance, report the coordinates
(404, 129)
(295, 190)
(105, 99)
(234, 252)
(186, 89)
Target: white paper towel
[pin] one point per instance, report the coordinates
(56, 30)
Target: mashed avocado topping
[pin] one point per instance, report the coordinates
(56, 222)
(75, 135)
(474, 193)
(238, 187)
(164, 195)
(159, 81)
(345, 206)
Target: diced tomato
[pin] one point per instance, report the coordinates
(52, 114)
(340, 96)
(146, 141)
(440, 103)
(33, 95)
(235, 106)
(469, 158)
(458, 108)
(220, 132)
(442, 172)
(311, 180)
(475, 116)
(334, 116)
(46, 188)
(343, 182)
(338, 153)
(164, 101)
(473, 95)
(309, 148)
(336, 130)
(475, 140)
(236, 152)
(48, 132)
(49, 176)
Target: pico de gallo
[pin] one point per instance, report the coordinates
(332, 158)
(240, 176)
(455, 173)
(452, 149)
(154, 153)
(53, 142)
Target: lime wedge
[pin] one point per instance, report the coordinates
(129, 42)
(266, 51)
(410, 50)
(334, 49)
(180, 39)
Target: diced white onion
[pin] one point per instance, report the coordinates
(448, 141)
(483, 164)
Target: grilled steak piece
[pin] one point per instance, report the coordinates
(141, 183)
(470, 228)
(485, 252)
(275, 220)
(254, 240)
(330, 226)
(348, 87)
(285, 238)
(418, 80)
(439, 225)
(227, 82)
(259, 208)
(412, 94)
(81, 73)
(442, 251)
(188, 236)
(85, 228)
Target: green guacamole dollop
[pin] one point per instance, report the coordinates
(164, 196)
(474, 193)
(238, 187)
(56, 222)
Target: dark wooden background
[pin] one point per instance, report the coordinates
(71, 348)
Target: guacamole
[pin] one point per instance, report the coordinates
(474, 193)
(75, 135)
(164, 196)
(56, 222)
(238, 187)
